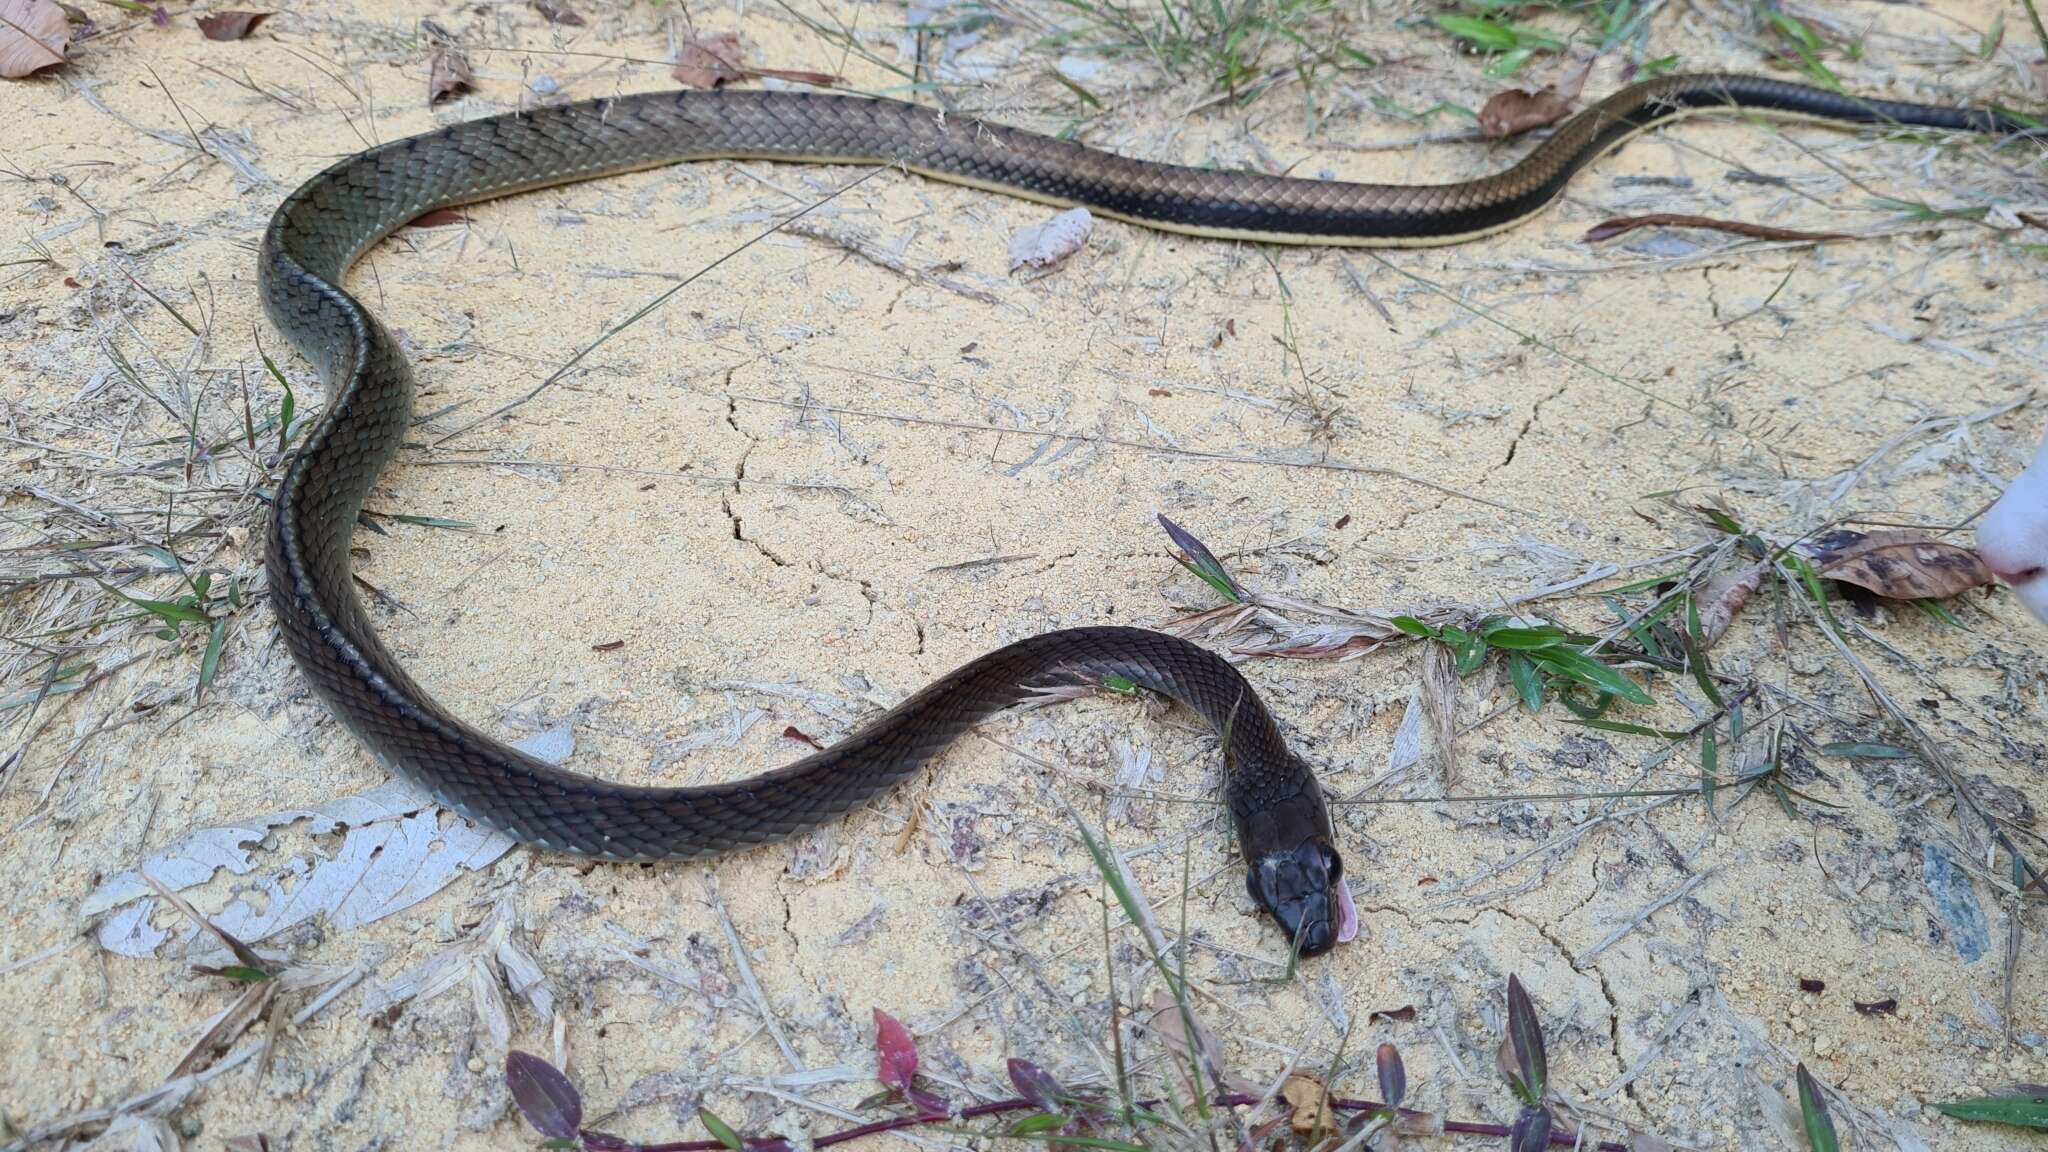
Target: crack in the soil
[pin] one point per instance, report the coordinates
(1606, 991)
(739, 475)
(1535, 414)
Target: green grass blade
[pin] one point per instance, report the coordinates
(1576, 665)
(2019, 1109)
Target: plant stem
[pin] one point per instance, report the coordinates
(1559, 1138)
(2040, 32)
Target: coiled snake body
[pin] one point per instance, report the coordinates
(1274, 799)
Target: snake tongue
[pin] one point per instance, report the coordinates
(1347, 914)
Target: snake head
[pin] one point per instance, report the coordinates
(1303, 887)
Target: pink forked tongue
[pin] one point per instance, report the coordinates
(1347, 914)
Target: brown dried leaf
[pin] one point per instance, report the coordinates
(1311, 1102)
(1515, 111)
(444, 218)
(230, 25)
(1619, 225)
(1165, 1022)
(33, 34)
(708, 61)
(1899, 565)
(1440, 707)
(448, 75)
(799, 76)
(1721, 599)
(711, 61)
(558, 12)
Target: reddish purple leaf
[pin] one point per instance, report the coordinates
(545, 1097)
(442, 218)
(606, 1142)
(926, 1103)
(895, 1052)
(1036, 1085)
(1525, 1034)
(1393, 1076)
(1531, 1132)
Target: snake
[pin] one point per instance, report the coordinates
(1276, 803)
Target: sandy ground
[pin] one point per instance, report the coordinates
(809, 484)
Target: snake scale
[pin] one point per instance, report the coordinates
(1276, 804)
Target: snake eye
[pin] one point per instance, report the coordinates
(1333, 862)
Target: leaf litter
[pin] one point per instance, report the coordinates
(1051, 241)
(230, 25)
(396, 850)
(1899, 565)
(33, 36)
(448, 75)
(717, 60)
(1513, 111)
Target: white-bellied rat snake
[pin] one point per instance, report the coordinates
(1275, 801)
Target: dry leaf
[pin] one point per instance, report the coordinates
(448, 75)
(708, 61)
(1047, 243)
(1515, 111)
(556, 12)
(230, 25)
(444, 218)
(1899, 565)
(33, 34)
(1440, 705)
(799, 76)
(1166, 1023)
(711, 61)
(1721, 599)
(394, 852)
(1311, 1102)
(1609, 229)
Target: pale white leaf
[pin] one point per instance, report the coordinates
(1045, 244)
(397, 849)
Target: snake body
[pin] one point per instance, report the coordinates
(321, 229)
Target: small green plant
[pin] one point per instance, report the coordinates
(2022, 1106)
(1237, 46)
(1800, 45)
(1543, 660)
(1511, 45)
(1813, 1115)
(197, 606)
